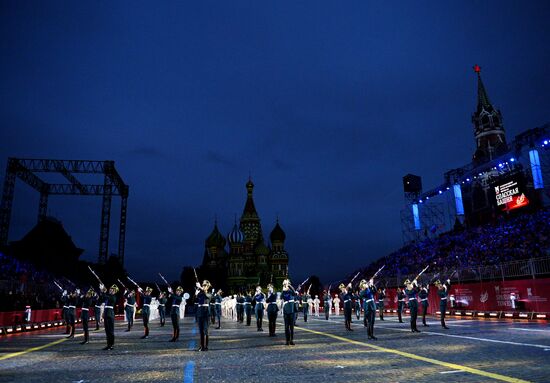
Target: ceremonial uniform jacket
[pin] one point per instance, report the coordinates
(110, 302)
(347, 298)
(271, 301)
(287, 296)
(368, 298)
(176, 302)
(203, 299)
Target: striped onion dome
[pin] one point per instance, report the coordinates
(236, 235)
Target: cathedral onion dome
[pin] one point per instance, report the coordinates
(277, 234)
(215, 239)
(261, 249)
(236, 236)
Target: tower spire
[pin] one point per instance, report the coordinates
(482, 97)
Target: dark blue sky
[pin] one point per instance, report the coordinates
(327, 104)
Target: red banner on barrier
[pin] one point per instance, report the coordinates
(531, 295)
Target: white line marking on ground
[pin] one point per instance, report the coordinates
(461, 336)
(528, 329)
(450, 372)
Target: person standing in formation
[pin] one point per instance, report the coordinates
(86, 302)
(259, 298)
(316, 304)
(411, 290)
(248, 307)
(240, 308)
(129, 307)
(97, 310)
(443, 291)
(305, 304)
(146, 309)
(423, 295)
(381, 297)
(162, 308)
(203, 298)
(347, 298)
(109, 299)
(71, 311)
(272, 309)
(213, 308)
(326, 304)
(367, 294)
(357, 304)
(400, 303)
(65, 300)
(336, 302)
(288, 297)
(175, 311)
(218, 307)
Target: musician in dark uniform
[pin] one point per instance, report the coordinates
(109, 298)
(347, 298)
(411, 290)
(248, 307)
(129, 307)
(218, 307)
(443, 292)
(175, 312)
(381, 297)
(297, 299)
(272, 309)
(288, 296)
(400, 303)
(423, 296)
(203, 299)
(72, 301)
(367, 294)
(162, 308)
(86, 302)
(146, 309)
(259, 298)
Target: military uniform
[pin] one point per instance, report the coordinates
(86, 302)
(400, 304)
(213, 309)
(109, 316)
(287, 296)
(218, 308)
(347, 298)
(381, 297)
(162, 310)
(357, 305)
(305, 305)
(423, 296)
(146, 311)
(240, 308)
(367, 294)
(272, 311)
(175, 315)
(443, 293)
(97, 311)
(326, 305)
(130, 308)
(71, 312)
(64, 300)
(203, 300)
(412, 292)
(248, 308)
(259, 310)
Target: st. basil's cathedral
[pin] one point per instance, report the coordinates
(247, 260)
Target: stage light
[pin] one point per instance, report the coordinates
(480, 174)
(10, 330)
(512, 159)
(447, 188)
(427, 198)
(523, 315)
(541, 316)
(508, 315)
(420, 201)
(467, 180)
(545, 142)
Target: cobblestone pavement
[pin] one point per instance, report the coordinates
(471, 351)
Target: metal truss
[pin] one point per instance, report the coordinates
(113, 185)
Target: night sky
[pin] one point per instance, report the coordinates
(326, 104)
